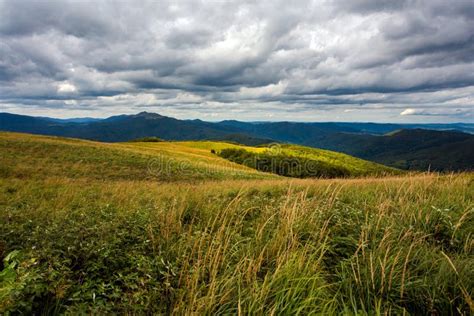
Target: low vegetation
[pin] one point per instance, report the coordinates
(283, 165)
(147, 140)
(85, 240)
(304, 162)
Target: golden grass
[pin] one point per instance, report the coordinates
(43, 156)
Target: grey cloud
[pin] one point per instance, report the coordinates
(22, 18)
(304, 56)
(370, 6)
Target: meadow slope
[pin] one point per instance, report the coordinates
(27, 156)
(84, 228)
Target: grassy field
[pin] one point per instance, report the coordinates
(94, 228)
(26, 156)
(350, 165)
(354, 166)
(31, 156)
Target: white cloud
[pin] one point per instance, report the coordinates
(66, 88)
(467, 112)
(408, 112)
(265, 91)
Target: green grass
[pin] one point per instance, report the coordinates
(330, 162)
(152, 139)
(301, 162)
(92, 241)
(217, 146)
(28, 156)
(354, 166)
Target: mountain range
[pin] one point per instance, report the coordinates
(440, 147)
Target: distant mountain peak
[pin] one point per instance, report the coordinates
(142, 115)
(148, 115)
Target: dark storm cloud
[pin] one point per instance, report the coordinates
(370, 6)
(375, 58)
(22, 18)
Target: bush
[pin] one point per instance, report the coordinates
(151, 139)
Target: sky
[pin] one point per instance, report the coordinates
(335, 60)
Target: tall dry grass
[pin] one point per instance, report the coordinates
(400, 245)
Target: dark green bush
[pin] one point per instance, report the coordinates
(151, 139)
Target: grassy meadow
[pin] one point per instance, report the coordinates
(28, 156)
(92, 228)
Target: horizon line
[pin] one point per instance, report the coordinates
(237, 120)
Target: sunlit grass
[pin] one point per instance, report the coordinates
(26, 156)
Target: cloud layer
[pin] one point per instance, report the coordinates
(318, 61)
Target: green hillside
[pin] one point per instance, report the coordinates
(304, 162)
(355, 166)
(41, 156)
(169, 228)
(26, 155)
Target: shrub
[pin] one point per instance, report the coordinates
(151, 139)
